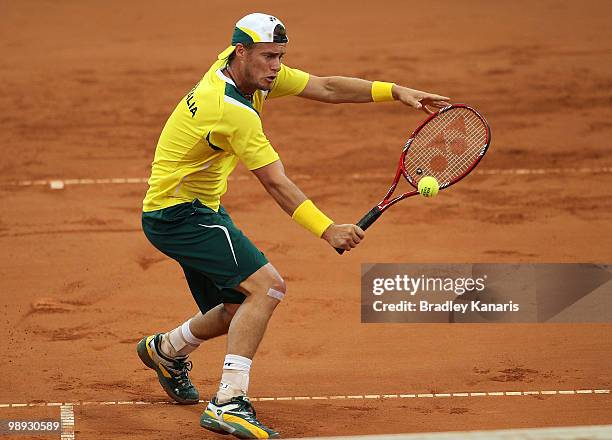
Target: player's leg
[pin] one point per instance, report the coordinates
(172, 349)
(167, 353)
(264, 290)
(188, 336)
(230, 410)
(247, 329)
(212, 321)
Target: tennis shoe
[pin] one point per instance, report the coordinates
(236, 417)
(173, 373)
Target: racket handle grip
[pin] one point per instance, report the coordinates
(366, 221)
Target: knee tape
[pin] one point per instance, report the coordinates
(276, 294)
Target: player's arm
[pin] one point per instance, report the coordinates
(340, 89)
(295, 203)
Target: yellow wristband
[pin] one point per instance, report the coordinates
(311, 218)
(381, 91)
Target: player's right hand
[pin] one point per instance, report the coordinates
(343, 236)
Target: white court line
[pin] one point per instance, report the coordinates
(67, 418)
(566, 392)
(354, 176)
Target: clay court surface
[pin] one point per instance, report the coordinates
(85, 90)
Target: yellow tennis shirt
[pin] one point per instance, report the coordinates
(212, 128)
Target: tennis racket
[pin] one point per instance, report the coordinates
(447, 146)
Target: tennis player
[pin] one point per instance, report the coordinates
(235, 287)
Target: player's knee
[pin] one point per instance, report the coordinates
(230, 309)
(274, 286)
(278, 289)
(266, 282)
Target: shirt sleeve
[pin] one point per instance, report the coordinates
(289, 82)
(240, 132)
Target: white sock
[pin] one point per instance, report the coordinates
(235, 378)
(180, 341)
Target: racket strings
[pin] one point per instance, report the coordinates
(432, 150)
(476, 137)
(474, 145)
(447, 146)
(433, 146)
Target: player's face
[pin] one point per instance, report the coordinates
(262, 64)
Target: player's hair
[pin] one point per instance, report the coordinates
(247, 46)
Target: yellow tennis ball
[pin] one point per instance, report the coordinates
(428, 186)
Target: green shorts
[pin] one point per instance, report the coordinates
(214, 254)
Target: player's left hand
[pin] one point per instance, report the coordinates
(419, 100)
